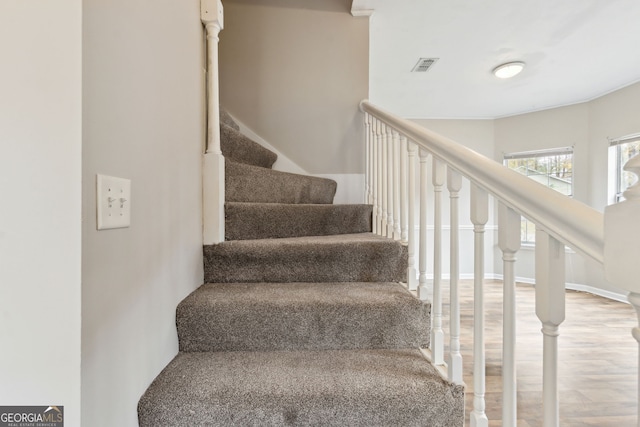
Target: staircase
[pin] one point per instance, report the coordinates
(302, 319)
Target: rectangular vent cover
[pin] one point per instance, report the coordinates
(424, 64)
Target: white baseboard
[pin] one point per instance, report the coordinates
(615, 296)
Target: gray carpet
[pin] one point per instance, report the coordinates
(301, 316)
(246, 221)
(301, 388)
(226, 119)
(238, 148)
(248, 183)
(362, 257)
(302, 321)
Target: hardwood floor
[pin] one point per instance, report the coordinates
(598, 361)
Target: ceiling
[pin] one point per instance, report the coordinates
(575, 51)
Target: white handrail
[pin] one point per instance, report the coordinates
(560, 221)
(571, 222)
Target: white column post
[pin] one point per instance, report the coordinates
(397, 153)
(509, 242)
(385, 179)
(211, 15)
(437, 334)
(390, 181)
(404, 237)
(550, 306)
(479, 217)
(412, 278)
(423, 290)
(374, 176)
(454, 183)
(621, 248)
(378, 182)
(367, 159)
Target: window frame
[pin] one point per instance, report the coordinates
(615, 151)
(526, 225)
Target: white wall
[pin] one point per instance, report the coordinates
(586, 127)
(40, 168)
(612, 116)
(478, 135)
(143, 120)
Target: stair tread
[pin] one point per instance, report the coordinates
(335, 387)
(246, 220)
(240, 148)
(330, 240)
(248, 183)
(360, 257)
(288, 316)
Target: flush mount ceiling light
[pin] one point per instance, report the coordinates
(508, 70)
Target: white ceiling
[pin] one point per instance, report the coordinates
(575, 50)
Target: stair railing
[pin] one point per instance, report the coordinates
(611, 239)
(212, 17)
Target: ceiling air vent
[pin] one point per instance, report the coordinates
(424, 64)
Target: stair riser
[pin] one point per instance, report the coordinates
(267, 221)
(302, 316)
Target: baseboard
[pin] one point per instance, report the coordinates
(580, 288)
(615, 296)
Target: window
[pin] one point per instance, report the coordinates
(552, 168)
(621, 150)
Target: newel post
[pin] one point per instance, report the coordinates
(622, 244)
(211, 14)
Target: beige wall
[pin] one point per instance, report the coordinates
(296, 76)
(477, 135)
(142, 120)
(555, 128)
(40, 218)
(586, 127)
(610, 117)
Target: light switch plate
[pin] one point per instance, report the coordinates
(113, 202)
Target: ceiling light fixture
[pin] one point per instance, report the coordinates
(508, 70)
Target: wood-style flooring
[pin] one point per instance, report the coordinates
(598, 361)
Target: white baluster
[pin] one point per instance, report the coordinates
(412, 277)
(390, 188)
(397, 153)
(423, 290)
(550, 305)
(404, 237)
(437, 334)
(367, 159)
(509, 242)
(374, 176)
(621, 248)
(479, 217)
(213, 166)
(379, 176)
(385, 177)
(454, 183)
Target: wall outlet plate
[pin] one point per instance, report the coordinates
(113, 202)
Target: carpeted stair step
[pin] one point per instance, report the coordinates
(302, 316)
(247, 183)
(363, 257)
(239, 148)
(226, 119)
(275, 220)
(302, 388)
